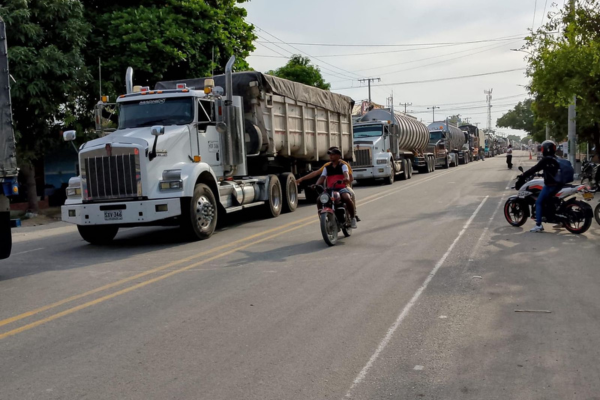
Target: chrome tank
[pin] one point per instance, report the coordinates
(412, 135)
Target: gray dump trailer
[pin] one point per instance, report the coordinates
(8, 161)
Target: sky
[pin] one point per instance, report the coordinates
(435, 32)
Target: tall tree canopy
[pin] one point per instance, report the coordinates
(45, 38)
(566, 64)
(299, 69)
(520, 117)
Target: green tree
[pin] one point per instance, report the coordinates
(164, 40)
(44, 38)
(299, 69)
(520, 117)
(568, 64)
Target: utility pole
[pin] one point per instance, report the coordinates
(433, 108)
(369, 80)
(572, 127)
(547, 131)
(405, 105)
(488, 99)
(467, 120)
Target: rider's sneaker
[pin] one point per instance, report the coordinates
(353, 224)
(537, 228)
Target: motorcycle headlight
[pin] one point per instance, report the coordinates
(324, 198)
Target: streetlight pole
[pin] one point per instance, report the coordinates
(433, 108)
(572, 129)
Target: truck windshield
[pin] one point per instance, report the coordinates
(436, 136)
(173, 111)
(368, 131)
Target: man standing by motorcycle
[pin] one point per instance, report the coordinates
(337, 171)
(509, 152)
(550, 166)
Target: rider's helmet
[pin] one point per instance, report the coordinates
(548, 148)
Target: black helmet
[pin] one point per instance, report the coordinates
(548, 148)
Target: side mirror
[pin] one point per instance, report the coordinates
(69, 136)
(221, 127)
(521, 169)
(157, 130)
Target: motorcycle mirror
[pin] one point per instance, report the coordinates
(521, 169)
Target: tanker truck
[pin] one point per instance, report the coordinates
(476, 139)
(447, 141)
(190, 151)
(387, 144)
(8, 162)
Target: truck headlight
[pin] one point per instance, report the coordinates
(74, 188)
(73, 192)
(171, 180)
(382, 161)
(324, 198)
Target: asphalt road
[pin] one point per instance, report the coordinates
(418, 304)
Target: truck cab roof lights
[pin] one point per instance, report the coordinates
(181, 86)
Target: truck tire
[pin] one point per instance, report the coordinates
(390, 179)
(446, 163)
(409, 168)
(289, 191)
(405, 173)
(98, 234)
(273, 205)
(199, 217)
(433, 166)
(5, 235)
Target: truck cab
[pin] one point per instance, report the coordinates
(373, 160)
(178, 157)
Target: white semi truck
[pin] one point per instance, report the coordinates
(190, 150)
(387, 144)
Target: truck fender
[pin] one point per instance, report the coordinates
(191, 174)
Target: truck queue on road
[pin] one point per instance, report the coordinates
(191, 151)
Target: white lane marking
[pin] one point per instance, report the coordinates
(485, 230)
(28, 251)
(418, 368)
(390, 333)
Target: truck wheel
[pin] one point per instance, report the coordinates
(390, 179)
(5, 235)
(409, 168)
(98, 234)
(433, 164)
(447, 163)
(405, 173)
(199, 218)
(289, 191)
(273, 205)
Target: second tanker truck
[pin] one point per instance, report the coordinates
(388, 144)
(448, 143)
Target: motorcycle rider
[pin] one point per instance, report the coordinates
(509, 152)
(336, 171)
(550, 167)
(318, 172)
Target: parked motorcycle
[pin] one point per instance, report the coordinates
(565, 208)
(589, 174)
(332, 214)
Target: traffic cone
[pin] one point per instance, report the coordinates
(530, 157)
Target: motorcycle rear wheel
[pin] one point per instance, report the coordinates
(329, 228)
(515, 212)
(597, 213)
(579, 221)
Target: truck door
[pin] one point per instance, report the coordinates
(208, 137)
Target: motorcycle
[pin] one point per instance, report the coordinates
(575, 215)
(333, 215)
(589, 174)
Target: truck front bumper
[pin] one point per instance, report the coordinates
(125, 213)
(382, 171)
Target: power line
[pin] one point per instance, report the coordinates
(475, 101)
(544, 14)
(400, 45)
(441, 79)
(534, 11)
(401, 51)
(295, 48)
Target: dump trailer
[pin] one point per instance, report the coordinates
(387, 144)
(475, 139)
(449, 140)
(192, 150)
(8, 161)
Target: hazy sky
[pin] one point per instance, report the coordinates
(401, 22)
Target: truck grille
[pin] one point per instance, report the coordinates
(363, 158)
(111, 177)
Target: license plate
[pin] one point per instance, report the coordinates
(113, 215)
(588, 196)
